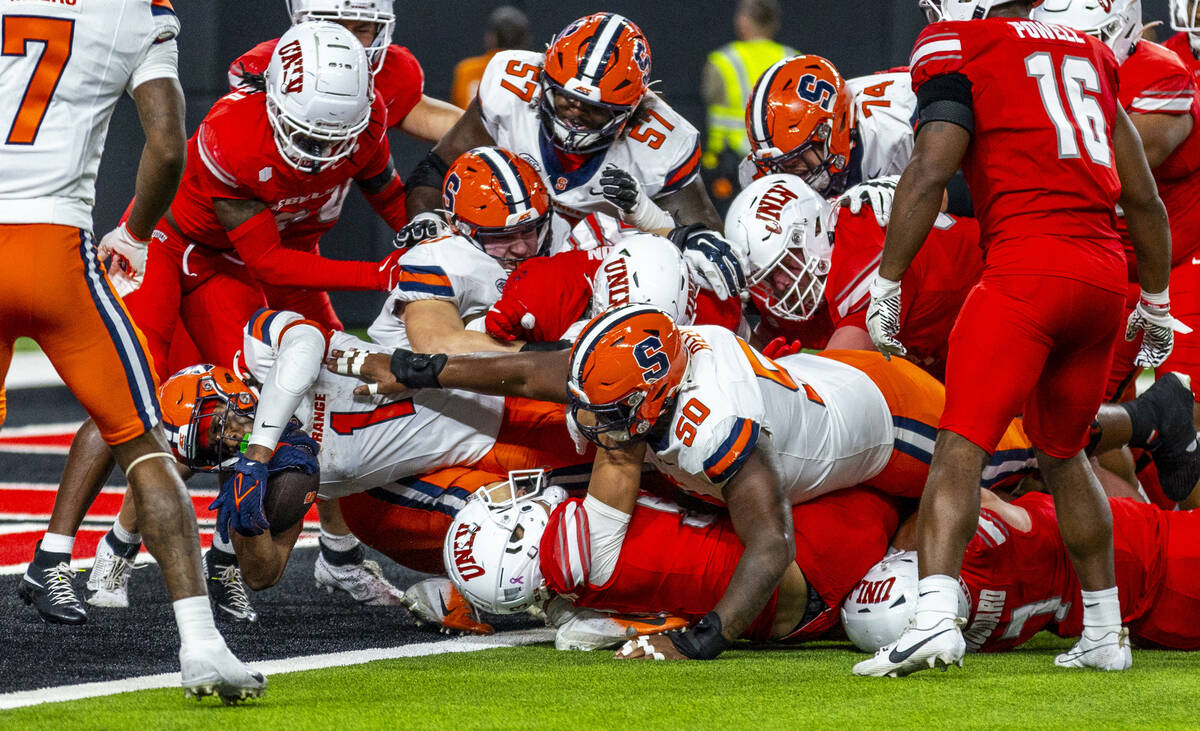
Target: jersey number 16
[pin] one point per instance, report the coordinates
(1082, 85)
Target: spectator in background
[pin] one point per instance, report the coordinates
(508, 28)
(727, 81)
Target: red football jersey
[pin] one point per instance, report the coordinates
(233, 155)
(1181, 46)
(1041, 164)
(935, 285)
(400, 82)
(812, 333)
(681, 563)
(1155, 81)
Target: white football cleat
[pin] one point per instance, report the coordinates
(435, 601)
(208, 668)
(362, 581)
(918, 648)
(108, 583)
(1108, 652)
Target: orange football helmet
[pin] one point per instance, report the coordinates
(196, 401)
(626, 368)
(799, 122)
(497, 199)
(601, 61)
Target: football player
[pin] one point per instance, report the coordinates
(63, 68)
(1053, 283)
(810, 265)
(1019, 579)
(583, 115)
(727, 424)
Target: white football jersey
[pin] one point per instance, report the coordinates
(829, 425)
(885, 108)
(662, 153)
(451, 269)
(65, 65)
(368, 441)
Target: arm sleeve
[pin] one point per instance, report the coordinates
(729, 444)
(943, 90)
(582, 544)
(300, 350)
(946, 98)
(161, 61)
(257, 242)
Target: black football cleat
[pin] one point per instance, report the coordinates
(1173, 445)
(52, 593)
(227, 591)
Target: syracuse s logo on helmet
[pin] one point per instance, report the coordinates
(650, 356)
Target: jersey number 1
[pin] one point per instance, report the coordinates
(1082, 85)
(55, 35)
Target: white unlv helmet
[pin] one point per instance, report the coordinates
(491, 548)
(319, 94)
(785, 230)
(379, 12)
(879, 607)
(645, 269)
(938, 10)
(1119, 26)
(1185, 16)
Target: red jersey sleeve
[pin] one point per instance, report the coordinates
(938, 51)
(254, 61)
(1155, 81)
(400, 83)
(224, 165)
(855, 257)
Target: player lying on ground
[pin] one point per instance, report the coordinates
(1020, 580)
(725, 422)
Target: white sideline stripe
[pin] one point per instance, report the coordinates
(31, 370)
(24, 698)
(41, 430)
(199, 492)
(306, 540)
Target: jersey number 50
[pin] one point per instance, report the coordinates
(55, 35)
(1082, 86)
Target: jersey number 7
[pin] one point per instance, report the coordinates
(56, 36)
(1082, 85)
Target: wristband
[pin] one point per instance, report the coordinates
(703, 641)
(417, 370)
(1158, 299)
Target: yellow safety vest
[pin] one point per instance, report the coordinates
(739, 63)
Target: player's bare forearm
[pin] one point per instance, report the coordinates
(691, 204)
(1161, 134)
(430, 119)
(467, 132)
(1145, 214)
(762, 519)
(617, 476)
(434, 326)
(233, 212)
(541, 376)
(161, 111)
(937, 154)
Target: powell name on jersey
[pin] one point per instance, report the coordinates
(662, 152)
(451, 269)
(827, 423)
(369, 441)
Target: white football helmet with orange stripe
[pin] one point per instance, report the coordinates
(938, 10)
(1118, 23)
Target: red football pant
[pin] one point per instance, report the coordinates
(1038, 345)
(1185, 306)
(1172, 619)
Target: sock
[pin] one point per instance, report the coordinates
(58, 543)
(224, 546)
(1101, 611)
(194, 618)
(218, 557)
(124, 536)
(937, 599)
(121, 548)
(341, 550)
(1142, 418)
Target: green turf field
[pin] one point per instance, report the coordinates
(537, 687)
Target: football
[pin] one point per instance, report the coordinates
(290, 494)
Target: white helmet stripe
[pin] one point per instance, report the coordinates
(604, 40)
(597, 328)
(519, 199)
(758, 114)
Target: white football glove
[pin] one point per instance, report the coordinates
(877, 193)
(883, 316)
(128, 254)
(1152, 316)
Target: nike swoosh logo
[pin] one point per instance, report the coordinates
(897, 657)
(445, 609)
(239, 494)
(1195, 260)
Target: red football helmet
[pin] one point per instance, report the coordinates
(196, 403)
(626, 368)
(498, 200)
(603, 62)
(799, 122)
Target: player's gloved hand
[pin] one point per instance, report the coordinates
(877, 194)
(883, 316)
(620, 188)
(240, 502)
(296, 451)
(780, 347)
(128, 254)
(1152, 316)
(389, 271)
(423, 226)
(711, 260)
(543, 297)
